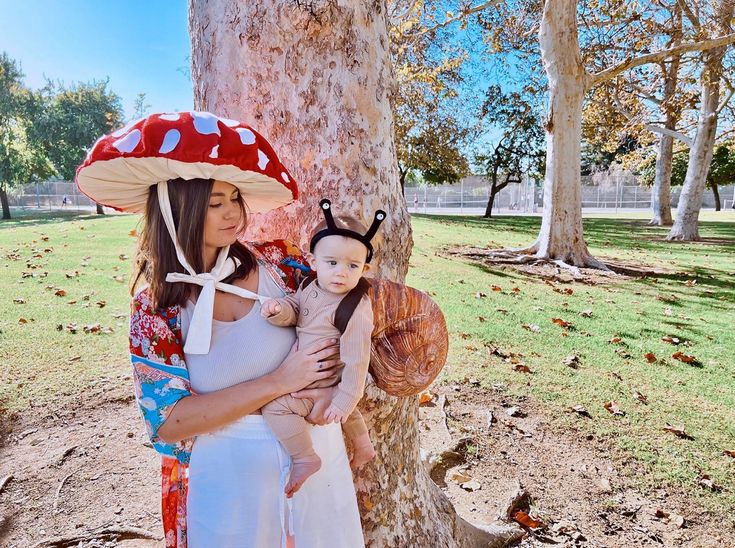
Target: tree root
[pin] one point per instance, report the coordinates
(105, 534)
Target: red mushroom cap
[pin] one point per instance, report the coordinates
(121, 166)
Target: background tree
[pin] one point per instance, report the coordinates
(22, 160)
(72, 119)
(316, 79)
(519, 147)
(140, 107)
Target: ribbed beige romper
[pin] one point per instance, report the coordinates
(312, 310)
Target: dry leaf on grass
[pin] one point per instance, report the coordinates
(480, 295)
(671, 340)
(19, 300)
(516, 290)
(426, 397)
(496, 288)
(521, 368)
(571, 361)
(561, 323)
(101, 304)
(531, 327)
(586, 313)
(650, 357)
(615, 340)
(60, 293)
(92, 328)
(123, 257)
(22, 321)
(613, 409)
(640, 397)
(690, 283)
(581, 410)
(729, 453)
(705, 481)
(678, 431)
(684, 358)
(133, 233)
(527, 521)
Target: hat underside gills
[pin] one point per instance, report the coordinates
(123, 182)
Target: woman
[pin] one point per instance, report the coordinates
(201, 400)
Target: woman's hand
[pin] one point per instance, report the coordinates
(316, 362)
(322, 398)
(269, 308)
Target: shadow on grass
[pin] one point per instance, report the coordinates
(44, 217)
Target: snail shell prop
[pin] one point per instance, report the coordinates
(410, 339)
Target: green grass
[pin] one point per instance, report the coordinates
(43, 367)
(700, 398)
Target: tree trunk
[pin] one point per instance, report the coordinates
(686, 226)
(5, 204)
(490, 202)
(716, 193)
(100, 211)
(661, 194)
(561, 235)
(315, 79)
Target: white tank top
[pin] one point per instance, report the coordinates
(242, 350)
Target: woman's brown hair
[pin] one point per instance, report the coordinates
(156, 253)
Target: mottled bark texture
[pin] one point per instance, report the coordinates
(315, 79)
(686, 226)
(561, 236)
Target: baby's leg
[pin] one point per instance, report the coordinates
(285, 416)
(362, 448)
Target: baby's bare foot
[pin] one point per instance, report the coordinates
(362, 453)
(301, 468)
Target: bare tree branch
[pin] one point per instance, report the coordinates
(652, 127)
(690, 14)
(612, 72)
(461, 15)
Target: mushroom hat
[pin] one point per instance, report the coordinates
(122, 165)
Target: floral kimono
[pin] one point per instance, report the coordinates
(161, 378)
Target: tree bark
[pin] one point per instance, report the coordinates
(560, 237)
(100, 211)
(716, 194)
(5, 204)
(315, 79)
(661, 194)
(686, 226)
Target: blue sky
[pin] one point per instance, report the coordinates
(140, 45)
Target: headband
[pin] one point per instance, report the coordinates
(333, 230)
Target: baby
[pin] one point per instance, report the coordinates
(332, 305)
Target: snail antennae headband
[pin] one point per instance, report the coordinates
(333, 230)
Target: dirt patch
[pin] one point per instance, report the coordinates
(87, 468)
(621, 270)
(579, 488)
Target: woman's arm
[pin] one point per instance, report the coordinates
(198, 414)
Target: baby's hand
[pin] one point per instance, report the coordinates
(269, 308)
(334, 414)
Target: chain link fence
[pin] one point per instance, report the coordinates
(50, 195)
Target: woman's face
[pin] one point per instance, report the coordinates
(224, 216)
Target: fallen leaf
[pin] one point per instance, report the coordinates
(123, 257)
(650, 357)
(561, 323)
(472, 485)
(671, 340)
(60, 293)
(22, 321)
(670, 517)
(133, 233)
(480, 295)
(71, 327)
(705, 481)
(565, 291)
(101, 304)
(92, 328)
(481, 319)
(684, 358)
(426, 397)
(640, 397)
(527, 521)
(613, 409)
(497, 288)
(75, 359)
(521, 368)
(514, 411)
(581, 410)
(729, 453)
(615, 340)
(71, 275)
(623, 353)
(668, 311)
(678, 431)
(71, 302)
(605, 485)
(586, 313)
(516, 290)
(119, 279)
(460, 476)
(19, 300)
(690, 283)
(571, 361)
(501, 310)
(531, 327)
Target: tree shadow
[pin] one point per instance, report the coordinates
(40, 218)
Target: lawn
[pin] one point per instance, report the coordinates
(62, 274)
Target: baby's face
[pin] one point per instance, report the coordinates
(339, 263)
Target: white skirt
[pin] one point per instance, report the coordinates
(237, 476)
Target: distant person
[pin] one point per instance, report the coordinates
(415, 203)
(64, 201)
